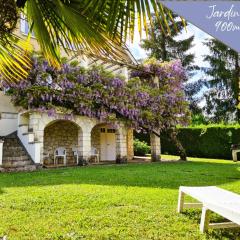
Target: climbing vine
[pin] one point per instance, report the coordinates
(93, 92)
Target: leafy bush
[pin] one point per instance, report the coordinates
(141, 148)
(198, 119)
(208, 141)
(143, 137)
(212, 141)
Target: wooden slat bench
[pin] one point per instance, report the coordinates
(220, 201)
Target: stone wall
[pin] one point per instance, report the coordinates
(51, 132)
(95, 138)
(130, 150)
(60, 134)
(122, 139)
(95, 141)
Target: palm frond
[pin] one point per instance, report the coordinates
(61, 24)
(121, 15)
(98, 26)
(14, 59)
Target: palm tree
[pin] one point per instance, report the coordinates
(99, 27)
(14, 63)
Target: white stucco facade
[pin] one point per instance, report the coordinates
(8, 115)
(1, 151)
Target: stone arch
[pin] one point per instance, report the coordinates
(61, 133)
(120, 140)
(39, 121)
(97, 141)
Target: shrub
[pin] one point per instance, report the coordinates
(198, 119)
(141, 148)
(143, 137)
(207, 141)
(212, 141)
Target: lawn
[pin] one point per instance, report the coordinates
(134, 201)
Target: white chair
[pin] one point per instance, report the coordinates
(214, 199)
(94, 153)
(235, 150)
(60, 152)
(234, 154)
(76, 153)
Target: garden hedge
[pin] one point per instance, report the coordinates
(213, 141)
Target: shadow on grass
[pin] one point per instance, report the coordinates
(195, 216)
(155, 175)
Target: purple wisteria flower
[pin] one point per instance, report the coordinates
(142, 104)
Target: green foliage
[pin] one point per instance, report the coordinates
(212, 141)
(97, 93)
(98, 28)
(141, 148)
(130, 202)
(223, 89)
(199, 119)
(209, 141)
(166, 47)
(143, 137)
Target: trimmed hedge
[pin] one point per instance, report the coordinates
(212, 141)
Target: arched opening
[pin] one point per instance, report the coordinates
(63, 134)
(104, 141)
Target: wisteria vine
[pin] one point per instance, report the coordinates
(95, 93)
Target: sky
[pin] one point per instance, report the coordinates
(199, 48)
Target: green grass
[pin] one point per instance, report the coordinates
(135, 201)
(174, 158)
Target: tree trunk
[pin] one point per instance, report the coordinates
(163, 46)
(181, 150)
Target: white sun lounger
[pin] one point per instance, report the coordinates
(220, 201)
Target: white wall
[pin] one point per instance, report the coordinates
(7, 126)
(6, 104)
(1, 151)
(8, 115)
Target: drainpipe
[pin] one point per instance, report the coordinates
(1, 151)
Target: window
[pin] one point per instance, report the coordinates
(111, 131)
(104, 130)
(24, 26)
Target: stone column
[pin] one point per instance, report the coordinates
(37, 128)
(34, 124)
(130, 150)
(155, 148)
(1, 151)
(155, 141)
(121, 145)
(85, 145)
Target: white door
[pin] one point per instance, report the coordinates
(108, 144)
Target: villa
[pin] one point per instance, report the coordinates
(32, 138)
